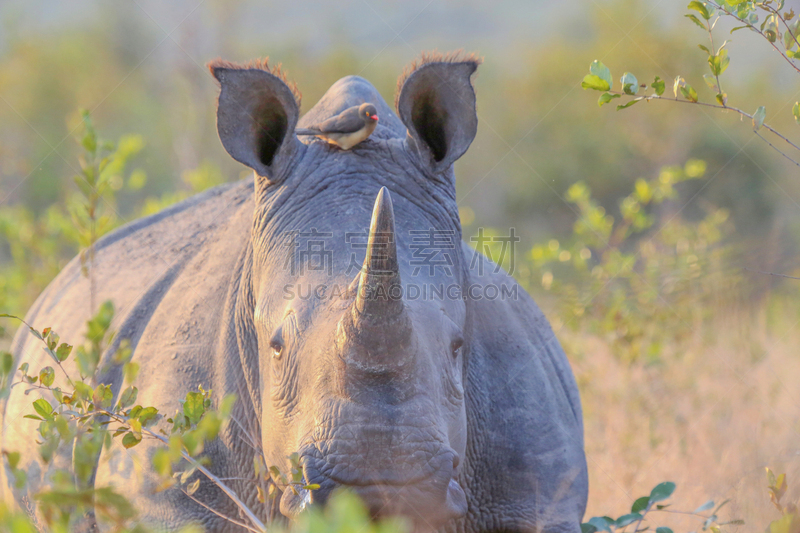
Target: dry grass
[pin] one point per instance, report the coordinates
(709, 418)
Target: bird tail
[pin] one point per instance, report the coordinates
(306, 131)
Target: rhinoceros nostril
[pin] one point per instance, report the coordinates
(456, 461)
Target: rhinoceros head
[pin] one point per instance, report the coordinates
(351, 326)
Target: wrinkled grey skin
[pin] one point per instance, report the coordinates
(462, 414)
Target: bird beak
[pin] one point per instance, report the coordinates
(374, 117)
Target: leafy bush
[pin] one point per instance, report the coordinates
(640, 518)
(642, 279)
(39, 246)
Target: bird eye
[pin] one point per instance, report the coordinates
(277, 349)
(456, 346)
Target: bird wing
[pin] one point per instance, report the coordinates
(348, 121)
(307, 131)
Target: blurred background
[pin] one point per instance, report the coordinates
(686, 355)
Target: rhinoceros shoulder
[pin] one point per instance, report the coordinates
(525, 452)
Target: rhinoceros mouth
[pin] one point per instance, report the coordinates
(395, 466)
(431, 490)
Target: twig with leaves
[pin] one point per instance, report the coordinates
(744, 11)
(645, 505)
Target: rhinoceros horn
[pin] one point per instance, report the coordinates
(379, 299)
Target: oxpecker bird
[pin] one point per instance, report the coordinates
(346, 129)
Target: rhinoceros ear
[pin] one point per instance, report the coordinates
(436, 102)
(256, 115)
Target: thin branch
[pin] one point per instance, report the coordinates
(195, 463)
(229, 519)
(698, 515)
(639, 523)
(784, 56)
(715, 106)
(777, 150)
(252, 441)
(771, 274)
(46, 346)
(227, 490)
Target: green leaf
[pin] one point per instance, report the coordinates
(640, 504)
(128, 397)
(601, 71)
(700, 8)
(44, 408)
(131, 439)
(711, 81)
(131, 370)
(162, 462)
(792, 32)
(662, 491)
(102, 396)
(47, 376)
(63, 351)
(704, 48)
(630, 103)
(52, 340)
(758, 118)
(627, 519)
(739, 28)
(602, 523)
(788, 40)
(696, 20)
(796, 112)
(719, 63)
(663, 530)
(770, 28)
(33, 417)
(630, 85)
(6, 363)
(590, 81)
(147, 415)
(13, 459)
(659, 86)
(193, 407)
(689, 93)
(35, 333)
(606, 98)
(705, 507)
(311, 486)
(722, 99)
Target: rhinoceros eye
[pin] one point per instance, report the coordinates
(456, 347)
(277, 349)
